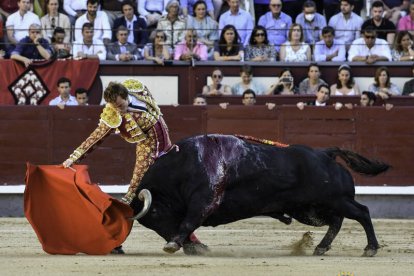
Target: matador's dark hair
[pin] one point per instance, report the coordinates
(114, 90)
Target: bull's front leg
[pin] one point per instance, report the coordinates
(198, 209)
(188, 241)
(186, 238)
(186, 229)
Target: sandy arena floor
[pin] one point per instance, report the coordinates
(259, 246)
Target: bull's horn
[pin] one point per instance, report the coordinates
(144, 195)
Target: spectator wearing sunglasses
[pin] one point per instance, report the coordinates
(157, 51)
(259, 48)
(54, 19)
(216, 87)
(369, 48)
(32, 47)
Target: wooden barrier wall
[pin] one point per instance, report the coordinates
(47, 135)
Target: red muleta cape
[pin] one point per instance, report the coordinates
(72, 215)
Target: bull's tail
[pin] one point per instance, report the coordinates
(358, 163)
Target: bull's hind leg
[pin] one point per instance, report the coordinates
(354, 210)
(326, 242)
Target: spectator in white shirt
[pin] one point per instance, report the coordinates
(64, 98)
(74, 9)
(329, 49)
(99, 20)
(88, 47)
(369, 48)
(18, 23)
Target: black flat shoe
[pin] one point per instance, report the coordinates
(118, 250)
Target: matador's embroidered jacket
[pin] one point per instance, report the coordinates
(141, 124)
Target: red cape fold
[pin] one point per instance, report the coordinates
(70, 214)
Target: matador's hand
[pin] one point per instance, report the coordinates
(67, 163)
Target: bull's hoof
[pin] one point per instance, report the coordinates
(285, 220)
(195, 249)
(171, 247)
(369, 252)
(319, 251)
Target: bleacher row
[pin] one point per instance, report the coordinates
(206, 28)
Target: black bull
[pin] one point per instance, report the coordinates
(218, 179)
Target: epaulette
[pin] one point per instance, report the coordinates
(133, 85)
(111, 117)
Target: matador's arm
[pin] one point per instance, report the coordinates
(110, 119)
(94, 139)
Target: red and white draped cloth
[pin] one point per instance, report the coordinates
(20, 85)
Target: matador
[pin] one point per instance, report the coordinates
(132, 112)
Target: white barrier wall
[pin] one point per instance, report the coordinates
(163, 88)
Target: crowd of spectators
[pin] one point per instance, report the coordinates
(228, 30)
(281, 30)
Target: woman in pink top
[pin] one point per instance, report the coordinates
(190, 48)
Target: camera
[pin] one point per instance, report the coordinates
(287, 79)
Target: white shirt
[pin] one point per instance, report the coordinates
(21, 24)
(130, 27)
(321, 50)
(59, 100)
(151, 5)
(71, 6)
(134, 103)
(97, 48)
(359, 48)
(101, 27)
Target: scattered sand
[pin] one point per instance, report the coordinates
(259, 246)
